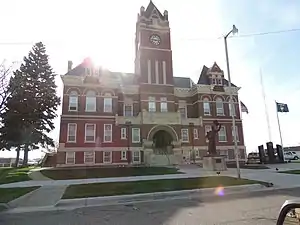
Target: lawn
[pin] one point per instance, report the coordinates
(9, 194)
(149, 186)
(290, 171)
(10, 175)
(85, 173)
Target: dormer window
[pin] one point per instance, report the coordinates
(220, 81)
(214, 81)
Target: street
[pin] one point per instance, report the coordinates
(252, 208)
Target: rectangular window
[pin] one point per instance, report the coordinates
(107, 105)
(128, 110)
(90, 132)
(152, 104)
(156, 72)
(163, 105)
(70, 157)
(184, 135)
(136, 135)
(231, 112)
(149, 71)
(220, 82)
(206, 108)
(237, 133)
(214, 81)
(182, 112)
(164, 72)
(107, 132)
(72, 130)
(123, 155)
(123, 133)
(90, 104)
(195, 133)
(136, 156)
(73, 103)
(222, 134)
(89, 157)
(107, 157)
(207, 129)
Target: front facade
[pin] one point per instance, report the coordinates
(147, 117)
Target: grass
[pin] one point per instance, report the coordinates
(149, 186)
(290, 171)
(9, 194)
(85, 173)
(11, 175)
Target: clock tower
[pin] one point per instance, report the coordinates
(153, 61)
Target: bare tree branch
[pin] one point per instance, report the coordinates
(5, 74)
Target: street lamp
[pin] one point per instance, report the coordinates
(128, 125)
(234, 30)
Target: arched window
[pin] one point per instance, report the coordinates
(232, 112)
(73, 101)
(90, 101)
(219, 107)
(206, 106)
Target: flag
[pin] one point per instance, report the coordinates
(282, 107)
(244, 108)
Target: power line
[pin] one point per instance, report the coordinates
(185, 39)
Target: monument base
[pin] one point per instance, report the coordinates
(214, 163)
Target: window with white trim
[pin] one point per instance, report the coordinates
(89, 157)
(196, 133)
(72, 130)
(70, 157)
(73, 101)
(151, 104)
(206, 106)
(206, 130)
(123, 155)
(128, 110)
(90, 101)
(237, 133)
(136, 156)
(231, 112)
(136, 135)
(107, 157)
(182, 111)
(219, 107)
(184, 135)
(107, 103)
(222, 134)
(107, 133)
(90, 132)
(123, 133)
(163, 105)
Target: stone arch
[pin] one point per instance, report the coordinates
(107, 91)
(71, 89)
(219, 96)
(166, 128)
(203, 97)
(90, 89)
(233, 99)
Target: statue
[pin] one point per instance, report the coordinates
(211, 136)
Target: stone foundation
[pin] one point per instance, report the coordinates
(214, 163)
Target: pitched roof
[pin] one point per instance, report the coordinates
(150, 9)
(204, 79)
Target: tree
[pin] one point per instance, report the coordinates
(33, 102)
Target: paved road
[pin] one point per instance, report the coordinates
(253, 208)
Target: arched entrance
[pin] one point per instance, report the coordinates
(162, 137)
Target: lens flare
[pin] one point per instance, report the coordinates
(219, 191)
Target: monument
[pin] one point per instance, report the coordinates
(213, 161)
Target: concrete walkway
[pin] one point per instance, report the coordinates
(37, 175)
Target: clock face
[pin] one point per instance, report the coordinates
(155, 39)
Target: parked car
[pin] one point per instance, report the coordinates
(291, 156)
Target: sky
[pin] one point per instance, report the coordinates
(105, 31)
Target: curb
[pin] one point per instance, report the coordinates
(119, 199)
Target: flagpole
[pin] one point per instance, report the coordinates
(279, 128)
(266, 108)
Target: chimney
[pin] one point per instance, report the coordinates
(70, 64)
